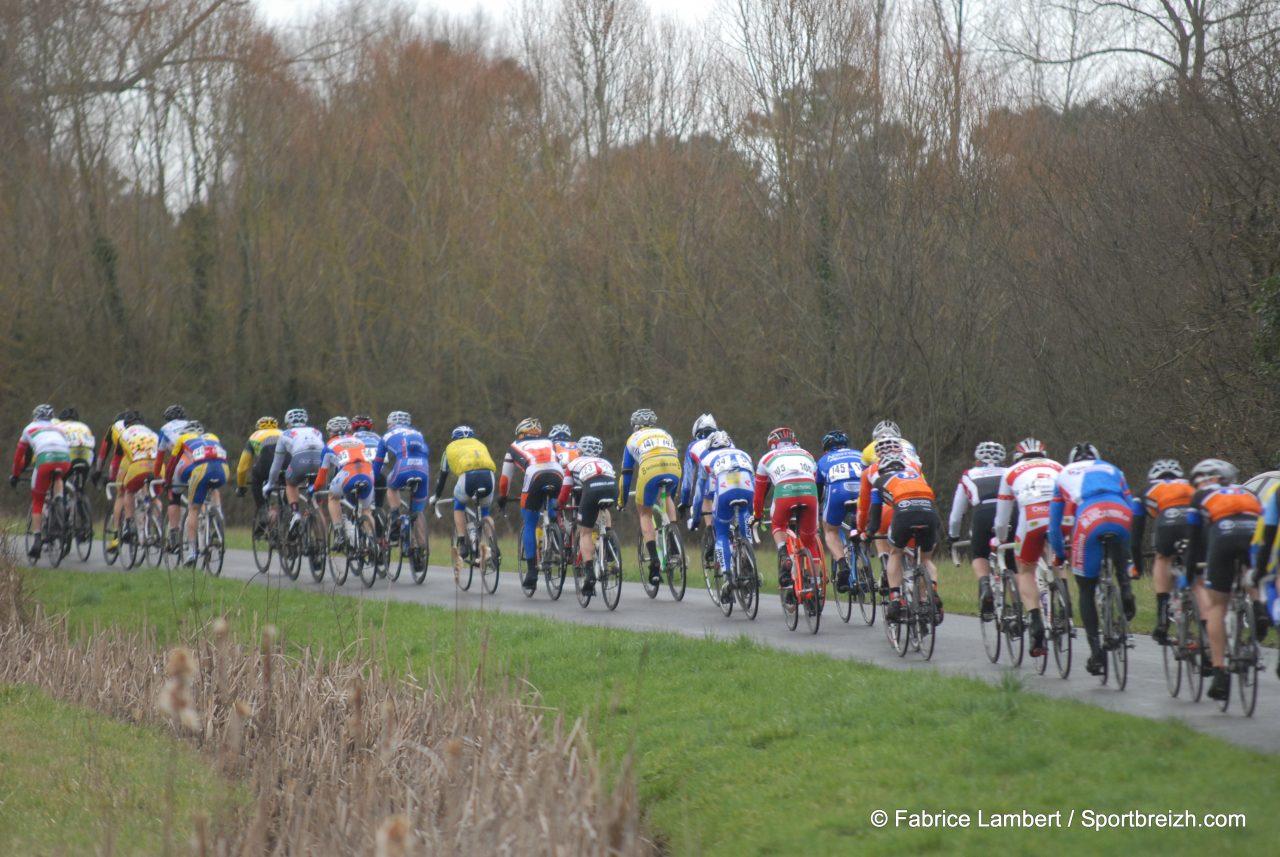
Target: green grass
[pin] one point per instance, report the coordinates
(744, 750)
(70, 779)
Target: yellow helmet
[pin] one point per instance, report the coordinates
(266, 423)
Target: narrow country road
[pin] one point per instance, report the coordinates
(959, 651)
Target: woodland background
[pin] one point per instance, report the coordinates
(1049, 217)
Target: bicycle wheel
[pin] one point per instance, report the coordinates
(993, 628)
(844, 600)
(217, 541)
(610, 570)
(1245, 659)
(83, 524)
(466, 567)
(1012, 619)
(746, 577)
(927, 618)
(677, 569)
(491, 561)
(552, 569)
(787, 595)
(129, 544)
(895, 630)
(711, 574)
(1060, 632)
(154, 542)
(810, 591)
(58, 542)
(419, 547)
(1171, 654)
(339, 565)
(642, 562)
(1119, 634)
(366, 553)
(867, 592)
(263, 548)
(1194, 648)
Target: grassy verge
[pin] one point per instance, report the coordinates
(72, 780)
(745, 750)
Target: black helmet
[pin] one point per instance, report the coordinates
(834, 439)
(69, 414)
(132, 418)
(175, 412)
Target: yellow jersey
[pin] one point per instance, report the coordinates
(466, 454)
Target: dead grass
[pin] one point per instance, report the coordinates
(339, 758)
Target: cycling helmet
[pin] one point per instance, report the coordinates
(560, 431)
(266, 423)
(398, 418)
(42, 412)
(886, 428)
(781, 435)
(704, 425)
(193, 427)
(296, 417)
(589, 445)
(69, 414)
(462, 431)
(887, 446)
(362, 422)
(990, 452)
(1028, 448)
(528, 426)
(643, 418)
(891, 462)
(132, 418)
(337, 426)
(1214, 468)
(1083, 452)
(1164, 468)
(719, 440)
(834, 440)
(175, 412)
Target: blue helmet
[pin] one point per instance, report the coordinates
(462, 431)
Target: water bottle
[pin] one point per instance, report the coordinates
(1175, 609)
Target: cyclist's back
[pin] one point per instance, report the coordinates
(255, 461)
(44, 445)
(80, 441)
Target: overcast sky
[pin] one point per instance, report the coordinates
(281, 11)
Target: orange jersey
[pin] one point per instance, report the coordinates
(1225, 501)
(905, 484)
(1167, 494)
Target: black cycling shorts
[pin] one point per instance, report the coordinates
(914, 513)
(1171, 528)
(544, 485)
(596, 493)
(981, 531)
(1228, 541)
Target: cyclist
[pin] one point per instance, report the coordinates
(1027, 489)
(693, 478)
(255, 461)
(1222, 520)
(405, 456)
(81, 442)
(885, 429)
(132, 468)
(979, 490)
(1263, 558)
(375, 449)
(652, 459)
(467, 458)
(791, 473)
(887, 444)
(543, 478)
(43, 445)
(566, 452)
(594, 486)
(175, 422)
(1103, 507)
(298, 452)
(352, 476)
(201, 462)
(839, 479)
(1166, 501)
(726, 479)
(900, 485)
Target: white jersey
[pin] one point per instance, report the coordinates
(586, 467)
(1029, 486)
(788, 464)
(46, 438)
(727, 469)
(978, 486)
(169, 434)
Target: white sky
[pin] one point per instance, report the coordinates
(282, 11)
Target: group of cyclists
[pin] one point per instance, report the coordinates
(1075, 513)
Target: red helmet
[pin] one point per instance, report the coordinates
(362, 422)
(1028, 448)
(781, 435)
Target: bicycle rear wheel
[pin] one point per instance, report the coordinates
(642, 563)
(214, 546)
(1171, 654)
(1194, 648)
(746, 577)
(1011, 618)
(787, 595)
(677, 563)
(552, 561)
(261, 541)
(1060, 632)
(844, 600)
(610, 582)
(927, 616)
(419, 547)
(810, 591)
(366, 553)
(338, 561)
(868, 593)
(59, 541)
(1244, 660)
(711, 574)
(491, 559)
(83, 525)
(1119, 634)
(467, 567)
(315, 547)
(129, 545)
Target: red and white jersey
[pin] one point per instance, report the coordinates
(586, 467)
(1029, 486)
(44, 437)
(533, 455)
(787, 464)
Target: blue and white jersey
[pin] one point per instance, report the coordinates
(692, 475)
(725, 470)
(840, 470)
(1085, 481)
(404, 446)
(374, 448)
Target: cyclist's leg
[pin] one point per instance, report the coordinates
(1086, 563)
(808, 526)
(461, 496)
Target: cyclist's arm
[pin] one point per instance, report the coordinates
(687, 478)
(959, 505)
(628, 464)
(242, 468)
(1005, 506)
(1056, 510)
(173, 462)
(443, 476)
(757, 502)
(277, 460)
(1137, 530)
(20, 457)
(322, 476)
(103, 452)
(1195, 542)
(876, 506)
(508, 470)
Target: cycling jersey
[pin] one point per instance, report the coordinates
(470, 460)
(261, 446)
(869, 456)
(566, 452)
(43, 444)
(79, 438)
(727, 480)
(1166, 501)
(914, 515)
(1103, 508)
(791, 472)
(303, 443)
(202, 462)
(869, 474)
(651, 457)
(346, 469)
(839, 479)
(979, 489)
(594, 485)
(1027, 488)
(375, 449)
(692, 473)
(533, 456)
(1264, 544)
(1222, 520)
(168, 439)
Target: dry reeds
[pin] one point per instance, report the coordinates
(340, 758)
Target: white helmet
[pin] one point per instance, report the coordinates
(398, 418)
(296, 417)
(886, 428)
(704, 425)
(989, 452)
(337, 426)
(1164, 468)
(643, 418)
(590, 445)
(719, 440)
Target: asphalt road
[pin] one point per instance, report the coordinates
(959, 649)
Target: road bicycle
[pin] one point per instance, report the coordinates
(862, 585)
(211, 534)
(740, 584)
(56, 536)
(1058, 629)
(1244, 657)
(482, 548)
(1113, 624)
(606, 561)
(1185, 650)
(807, 593)
(672, 563)
(353, 545)
(409, 534)
(549, 551)
(269, 533)
(916, 626)
(142, 537)
(79, 513)
(1006, 626)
